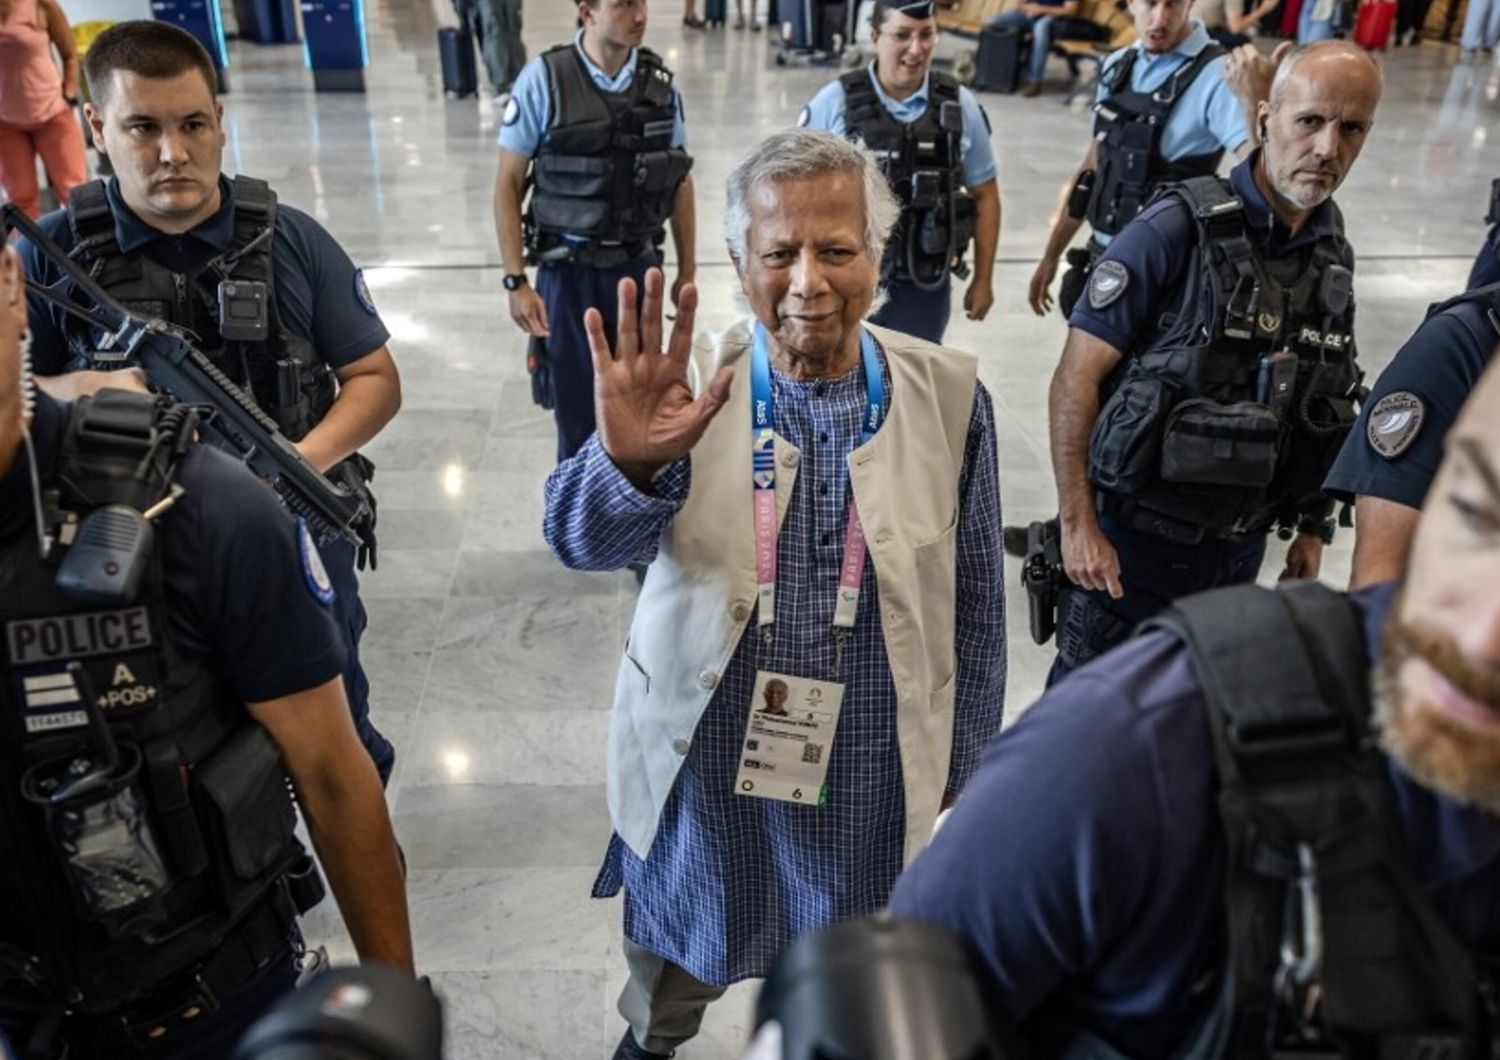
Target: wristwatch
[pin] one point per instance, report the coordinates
(514, 281)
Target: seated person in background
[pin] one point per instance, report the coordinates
(1040, 18)
(1228, 22)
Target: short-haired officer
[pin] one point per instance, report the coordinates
(1487, 264)
(594, 129)
(1167, 109)
(268, 294)
(1311, 872)
(147, 732)
(1392, 455)
(933, 141)
(1209, 374)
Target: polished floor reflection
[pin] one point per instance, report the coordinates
(492, 667)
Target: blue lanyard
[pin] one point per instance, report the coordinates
(763, 475)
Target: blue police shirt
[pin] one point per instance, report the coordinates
(1208, 116)
(319, 293)
(237, 584)
(1395, 448)
(826, 111)
(1155, 248)
(1487, 264)
(1085, 862)
(529, 109)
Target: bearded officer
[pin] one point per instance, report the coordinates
(266, 291)
(933, 140)
(596, 127)
(1218, 330)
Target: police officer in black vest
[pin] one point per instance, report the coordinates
(264, 288)
(1388, 463)
(594, 132)
(150, 715)
(1168, 108)
(1279, 835)
(933, 141)
(1209, 375)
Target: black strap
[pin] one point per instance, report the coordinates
(1171, 90)
(1117, 76)
(943, 87)
(861, 104)
(652, 81)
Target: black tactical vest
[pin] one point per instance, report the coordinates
(923, 161)
(1129, 126)
(290, 382)
(127, 871)
(1212, 429)
(606, 169)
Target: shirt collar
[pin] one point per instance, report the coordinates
(1322, 223)
(1196, 40)
(132, 233)
(603, 80)
(917, 101)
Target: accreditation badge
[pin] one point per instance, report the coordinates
(788, 738)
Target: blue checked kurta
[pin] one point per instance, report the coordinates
(730, 880)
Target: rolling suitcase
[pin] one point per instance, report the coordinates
(997, 66)
(456, 50)
(1372, 26)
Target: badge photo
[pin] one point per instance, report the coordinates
(1107, 284)
(1395, 422)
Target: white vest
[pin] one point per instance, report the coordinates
(699, 594)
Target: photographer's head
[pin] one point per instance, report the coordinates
(1439, 671)
(156, 114)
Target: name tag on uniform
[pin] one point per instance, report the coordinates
(788, 738)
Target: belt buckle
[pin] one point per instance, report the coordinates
(199, 1002)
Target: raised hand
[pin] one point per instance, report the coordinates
(646, 412)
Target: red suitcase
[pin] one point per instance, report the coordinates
(1372, 26)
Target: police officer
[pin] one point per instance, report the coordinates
(1487, 264)
(1236, 867)
(146, 735)
(270, 295)
(933, 140)
(1168, 108)
(595, 130)
(1208, 376)
(1391, 457)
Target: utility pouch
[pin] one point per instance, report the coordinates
(293, 412)
(1127, 435)
(1212, 444)
(1078, 198)
(570, 175)
(658, 171)
(247, 807)
(1075, 280)
(97, 820)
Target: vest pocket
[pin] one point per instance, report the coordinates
(1213, 444)
(1126, 438)
(937, 579)
(249, 811)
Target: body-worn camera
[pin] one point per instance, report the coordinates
(244, 311)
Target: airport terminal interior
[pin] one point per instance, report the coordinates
(492, 667)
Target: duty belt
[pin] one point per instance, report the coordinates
(591, 255)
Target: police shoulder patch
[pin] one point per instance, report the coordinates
(512, 111)
(362, 292)
(1107, 283)
(313, 571)
(804, 117)
(1394, 423)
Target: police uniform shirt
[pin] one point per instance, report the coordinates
(529, 109)
(1208, 116)
(239, 589)
(1487, 263)
(1123, 306)
(1394, 450)
(826, 111)
(1100, 892)
(319, 293)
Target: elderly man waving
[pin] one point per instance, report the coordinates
(819, 502)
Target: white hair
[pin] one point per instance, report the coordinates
(794, 155)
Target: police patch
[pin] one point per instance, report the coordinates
(804, 117)
(313, 571)
(1394, 423)
(1107, 283)
(362, 292)
(512, 111)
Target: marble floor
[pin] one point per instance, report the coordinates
(491, 666)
